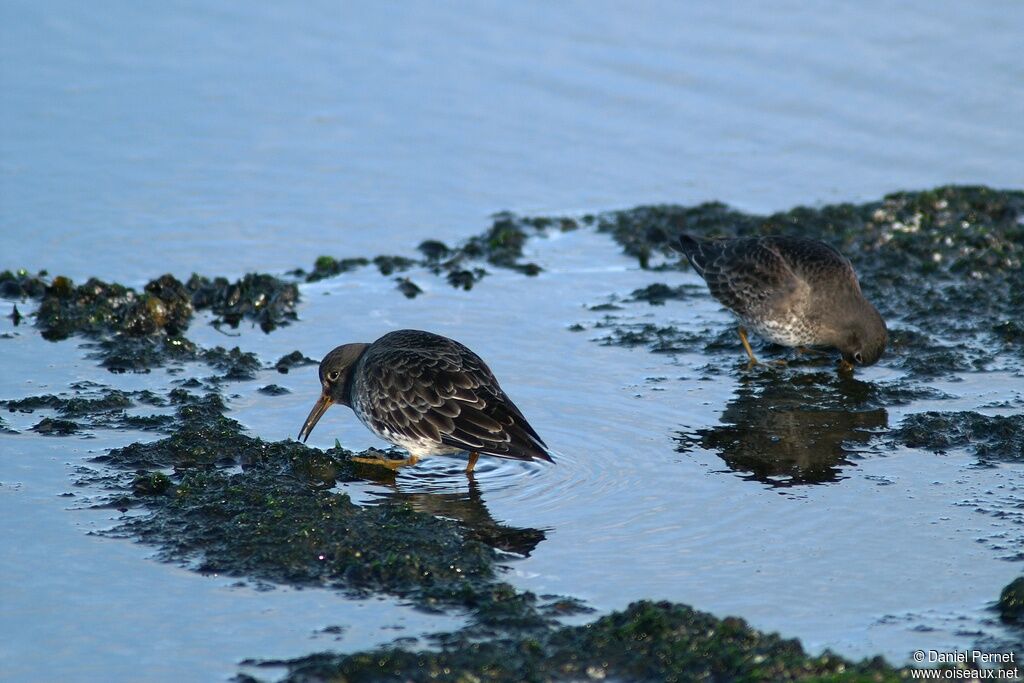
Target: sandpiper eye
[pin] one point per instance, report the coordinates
(333, 375)
(857, 357)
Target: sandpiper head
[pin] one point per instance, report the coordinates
(334, 383)
(863, 338)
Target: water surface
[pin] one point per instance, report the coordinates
(224, 140)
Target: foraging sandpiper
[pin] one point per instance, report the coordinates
(792, 291)
(427, 394)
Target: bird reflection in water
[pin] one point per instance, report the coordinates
(468, 509)
(465, 507)
(787, 429)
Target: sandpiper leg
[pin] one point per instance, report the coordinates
(845, 366)
(473, 457)
(746, 345)
(385, 462)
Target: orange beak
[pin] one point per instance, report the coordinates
(319, 408)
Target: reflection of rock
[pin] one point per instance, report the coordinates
(793, 430)
(468, 509)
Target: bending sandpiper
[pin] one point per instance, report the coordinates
(427, 394)
(792, 291)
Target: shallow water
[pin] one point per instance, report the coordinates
(221, 142)
(257, 138)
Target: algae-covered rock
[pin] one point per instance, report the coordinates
(96, 308)
(958, 229)
(390, 264)
(501, 245)
(281, 520)
(131, 331)
(234, 363)
(328, 266)
(22, 285)
(295, 359)
(1011, 602)
(91, 406)
(266, 524)
(647, 641)
(990, 438)
(408, 288)
(658, 293)
(151, 484)
(268, 301)
(56, 427)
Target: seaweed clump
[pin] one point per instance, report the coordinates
(21, 284)
(1011, 602)
(268, 301)
(97, 308)
(991, 438)
(501, 246)
(328, 266)
(91, 406)
(648, 641)
(136, 331)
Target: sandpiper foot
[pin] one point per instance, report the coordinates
(386, 462)
(746, 345)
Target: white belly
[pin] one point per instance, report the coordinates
(785, 332)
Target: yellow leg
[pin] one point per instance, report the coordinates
(473, 457)
(746, 345)
(385, 462)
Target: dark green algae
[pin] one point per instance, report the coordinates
(1011, 603)
(648, 641)
(130, 331)
(500, 246)
(991, 438)
(89, 405)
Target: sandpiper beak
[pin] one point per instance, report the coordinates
(319, 408)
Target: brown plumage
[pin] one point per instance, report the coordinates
(792, 291)
(427, 394)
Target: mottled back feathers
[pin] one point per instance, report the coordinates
(415, 387)
(749, 275)
(792, 291)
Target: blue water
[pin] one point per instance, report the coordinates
(181, 137)
(187, 136)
